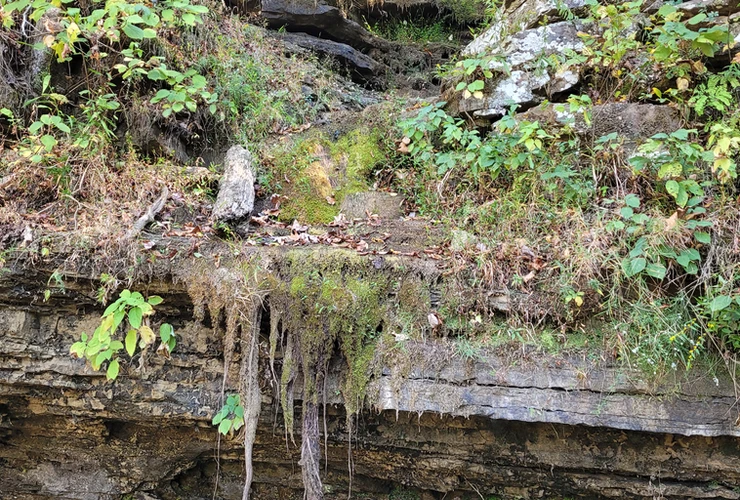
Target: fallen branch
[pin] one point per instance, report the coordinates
(150, 214)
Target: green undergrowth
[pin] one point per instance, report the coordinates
(628, 246)
(176, 80)
(413, 32)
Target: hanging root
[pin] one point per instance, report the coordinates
(250, 391)
(311, 452)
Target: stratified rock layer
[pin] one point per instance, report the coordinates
(507, 424)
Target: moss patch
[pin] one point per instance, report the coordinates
(315, 174)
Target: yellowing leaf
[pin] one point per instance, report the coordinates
(73, 31)
(49, 40)
(131, 342)
(113, 368)
(682, 83)
(147, 336)
(578, 300)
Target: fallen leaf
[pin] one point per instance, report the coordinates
(529, 277)
(671, 222)
(434, 320)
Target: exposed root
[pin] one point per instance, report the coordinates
(311, 452)
(250, 390)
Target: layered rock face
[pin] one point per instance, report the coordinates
(439, 425)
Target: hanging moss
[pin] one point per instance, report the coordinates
(322, 303)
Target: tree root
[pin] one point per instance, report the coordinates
(311, 452)
(250, 389)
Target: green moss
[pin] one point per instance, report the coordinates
(315, 174)
(297, 286)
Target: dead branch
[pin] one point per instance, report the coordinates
(150, 214)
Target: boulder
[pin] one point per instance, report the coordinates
(318, 18)
(235, 198)
(364, 68)
(528, 81)
(385, 205)
(520, 15)
(632, 122)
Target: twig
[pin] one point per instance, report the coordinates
(474, 488)
(148, 217)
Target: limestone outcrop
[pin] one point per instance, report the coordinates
(435, 422)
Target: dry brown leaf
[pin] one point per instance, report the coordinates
(671, 222)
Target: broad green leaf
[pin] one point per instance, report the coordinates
(672, 188)
(133, 32)
(656, 270)
(719, 303)
(239, 411)
(238, 422)
(697, 19)
(476, 86)
(701, 237)
(134, 317)
(78, 349)
(632, 267)
(668, 170)
(692, 253)
(626, 212)
(155, 300)
(112, 308)
(220, 416)
(49, 142)
(131, 342)
(683, 198)
(117, 319)
(225, 426)
(166, 332)
(188, 18)
(34, 128)
(102, 357)
(62, 126)
(112, 372)
(632, 200)
(199, 81)
(682, 134)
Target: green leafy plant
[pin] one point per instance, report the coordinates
(677, 161)
(104, 344)
(231, 416)
(720, 308)
(676, 40)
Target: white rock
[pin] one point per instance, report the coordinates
(236, 190)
